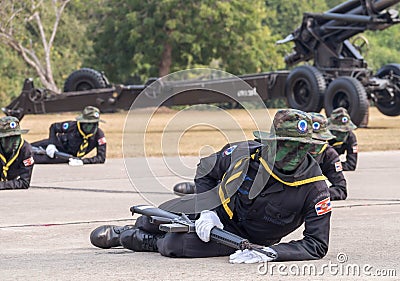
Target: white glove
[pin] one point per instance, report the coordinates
(75, 162)
(207, 221)
(50, 150)
(251, 256)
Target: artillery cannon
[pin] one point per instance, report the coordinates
(338, 77)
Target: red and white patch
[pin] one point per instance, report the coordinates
(102, 141)
(338, 166)
(28, 162)
(355, 148)
(323, 206)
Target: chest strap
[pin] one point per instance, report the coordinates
(339, 143)
(295, 183)
(82, 148)
(230, 183)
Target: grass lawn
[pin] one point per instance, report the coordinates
(198, 133)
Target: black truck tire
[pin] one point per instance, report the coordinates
(349, 93)
(386, 104)
(304, 89)
(85, 79)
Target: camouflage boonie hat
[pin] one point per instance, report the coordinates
(340, 121)
(90, 114)
(290, 124)
(320, 127)
(9, 126)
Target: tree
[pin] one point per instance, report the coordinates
(154, 38)
(22, 28)
(284, 16)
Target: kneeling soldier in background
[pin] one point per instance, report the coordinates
(16, 161)
(345, 142)
(76, 138)
(328, 158)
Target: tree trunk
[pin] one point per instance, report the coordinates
(166, 60)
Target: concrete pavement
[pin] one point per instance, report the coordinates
(44, 231)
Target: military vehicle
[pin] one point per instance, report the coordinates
(334, 73)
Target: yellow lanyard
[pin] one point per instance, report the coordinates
(337, 143)
(9, 163)
(323, 148)
(85, 143)
(295, 183)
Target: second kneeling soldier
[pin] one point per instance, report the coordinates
(76, 138)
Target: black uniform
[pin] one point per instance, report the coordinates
(18, 175)
(67, 138)
(349, 147)
(275, 212)
(331, 167)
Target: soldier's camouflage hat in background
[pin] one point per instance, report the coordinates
(290, 124)
(9, 126)
(320, 127)
(90, 114)
(340, 121)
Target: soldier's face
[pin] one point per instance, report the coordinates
(10, 143)
(289, 154)
(88, 128)
(340, 136)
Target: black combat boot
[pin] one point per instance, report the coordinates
(107, 236)
(139, 240)
(184, 188)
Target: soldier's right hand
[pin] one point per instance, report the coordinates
(207, 221)
(50, 150)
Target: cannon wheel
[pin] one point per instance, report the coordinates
(305, 87)
(387, 104)
(349, 93)
(85, 79)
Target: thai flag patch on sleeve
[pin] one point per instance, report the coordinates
(102, 141)
(28, 162)
(338, 166)
(323, 206)
(355, 148)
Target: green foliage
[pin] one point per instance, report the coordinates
(384, 47)
(284, 16)
(13, 71)
(70, 46)
(131, 40)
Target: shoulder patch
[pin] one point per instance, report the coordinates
(65, 126)
(338, 166)
(355, 148)
(29, 162)
(324, 206)
(102, 141)
(229, 150)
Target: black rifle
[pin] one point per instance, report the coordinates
(62, 155)
(170, 222)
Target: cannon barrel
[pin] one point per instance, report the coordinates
(359, 14)
(335, 26)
